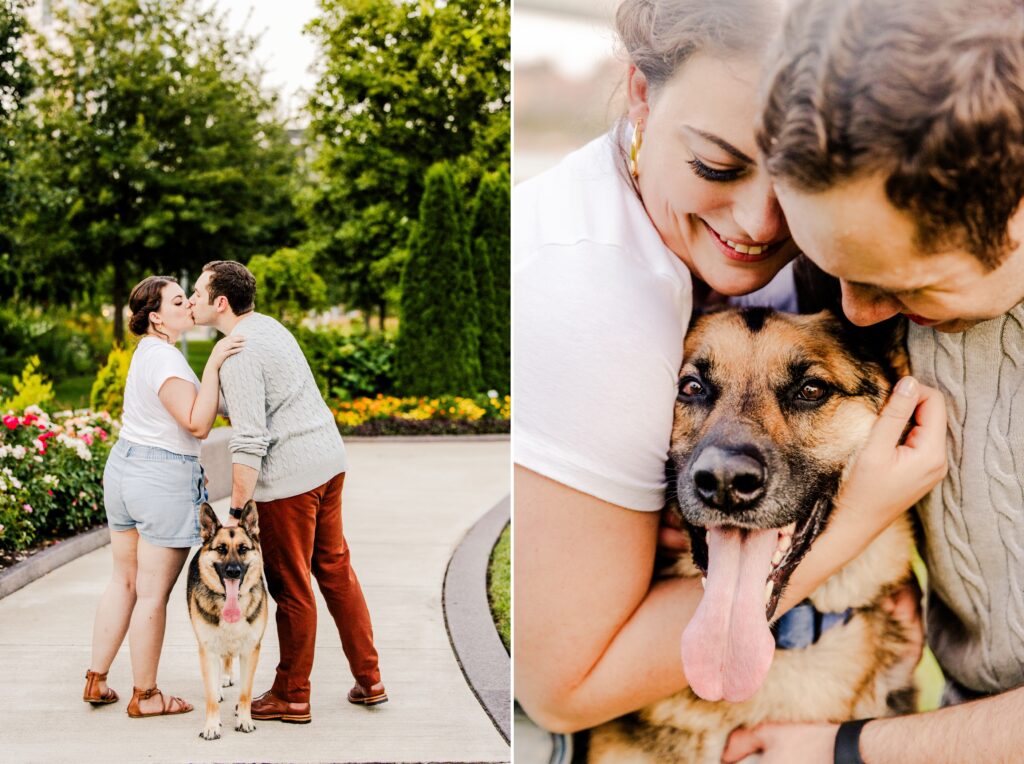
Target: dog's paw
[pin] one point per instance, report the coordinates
(245, 725)
(226, 681)
(211, 732)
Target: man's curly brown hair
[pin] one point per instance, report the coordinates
(928, 94)
(234, 281)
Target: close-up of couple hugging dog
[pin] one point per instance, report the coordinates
(769, 348)
(287, 471)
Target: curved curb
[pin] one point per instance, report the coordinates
(467, 616)
(41, 563)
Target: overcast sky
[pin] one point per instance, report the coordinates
(284, 50)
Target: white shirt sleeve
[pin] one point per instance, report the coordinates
(598, 346)
(166, 362)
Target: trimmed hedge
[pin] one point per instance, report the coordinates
(438, 349)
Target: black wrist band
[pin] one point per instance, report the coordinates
(236, 512)
(847, 750)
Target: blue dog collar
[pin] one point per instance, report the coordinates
(804, 624)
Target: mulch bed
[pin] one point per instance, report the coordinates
(377, 427)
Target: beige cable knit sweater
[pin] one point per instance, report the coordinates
(974, 519)
(282, 427)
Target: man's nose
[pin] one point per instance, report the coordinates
(865, 305)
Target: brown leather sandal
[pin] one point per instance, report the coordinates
(171, 707)
(92, 694)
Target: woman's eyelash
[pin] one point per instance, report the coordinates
(701, 170)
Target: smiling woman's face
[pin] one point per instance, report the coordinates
(699, 177)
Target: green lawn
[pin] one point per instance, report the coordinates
(198, 352)
(72, 392)
(499, 584)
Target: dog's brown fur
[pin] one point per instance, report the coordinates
(750, 363)
(219, 641)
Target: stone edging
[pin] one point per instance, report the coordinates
(467, 615)
(41, 563)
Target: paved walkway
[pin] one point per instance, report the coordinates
(407, 506)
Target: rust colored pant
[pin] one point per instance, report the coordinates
(302, 535)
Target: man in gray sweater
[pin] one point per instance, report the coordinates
(894, 134)
(287, 454)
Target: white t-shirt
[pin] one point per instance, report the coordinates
(601, 309)
(146, 421)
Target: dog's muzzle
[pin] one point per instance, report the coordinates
(233, 570)
(729, 479)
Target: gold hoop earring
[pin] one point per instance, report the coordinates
(634, 148)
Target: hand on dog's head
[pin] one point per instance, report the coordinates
(209, 524)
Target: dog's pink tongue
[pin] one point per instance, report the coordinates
(727, 647)
(231, 612)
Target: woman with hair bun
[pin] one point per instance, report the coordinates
(153, 486)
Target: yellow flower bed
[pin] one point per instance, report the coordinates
(453, 408)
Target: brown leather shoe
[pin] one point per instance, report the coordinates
(371, 697)
(269, 707)
(91, 693)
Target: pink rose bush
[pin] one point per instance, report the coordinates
(51, 473)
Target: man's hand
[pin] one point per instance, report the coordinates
(783, 743)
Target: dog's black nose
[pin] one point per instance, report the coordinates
(232, 570)
(727, 479)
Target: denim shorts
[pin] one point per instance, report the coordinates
(157, 492)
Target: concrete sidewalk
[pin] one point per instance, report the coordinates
(406, 507)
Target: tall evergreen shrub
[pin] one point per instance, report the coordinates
(438, 349)
(491, 247)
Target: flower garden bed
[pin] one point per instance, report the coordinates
(444, 415)
(51, 471)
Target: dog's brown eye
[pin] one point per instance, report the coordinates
(812, 391)
(243, 549)
(690, 387)
(222, 549)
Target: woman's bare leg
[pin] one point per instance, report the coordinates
(115, 607)
(158, 570)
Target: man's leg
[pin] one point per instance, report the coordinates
(332, 567)
(287, 528)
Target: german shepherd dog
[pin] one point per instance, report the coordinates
(771, 410)
(227, 604)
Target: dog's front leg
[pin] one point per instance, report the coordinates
(246, 676)
(225, 679)
(209, 664)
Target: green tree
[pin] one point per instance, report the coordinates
(491, 245)
(287, 287)
(15, 83)
(403, 85)
(438, 352)
(149, 148)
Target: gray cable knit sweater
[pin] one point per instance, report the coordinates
(974, 519)
(282, 427)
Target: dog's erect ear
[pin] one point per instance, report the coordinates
(250, 519)
(208, 522)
